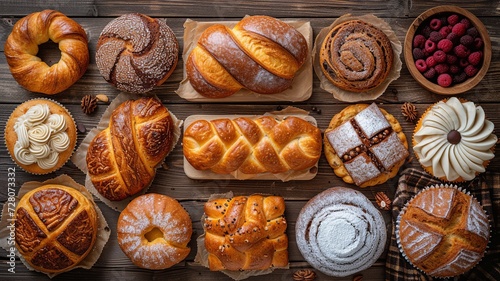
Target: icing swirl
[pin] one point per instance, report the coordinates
(41, 136)
(465, 155)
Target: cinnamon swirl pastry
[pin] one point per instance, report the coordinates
(356, 56)
(339, 232)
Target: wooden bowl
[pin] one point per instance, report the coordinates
(456, 88)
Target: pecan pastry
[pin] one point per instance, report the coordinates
(356, 56)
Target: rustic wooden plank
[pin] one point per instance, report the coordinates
(68, 7)
(403, 89)
(479, 8)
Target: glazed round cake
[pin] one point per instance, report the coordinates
(365, 145)
(40, 136)
(443, 231)
(154, 231)
(356, 56)
(339, 232)
(453, 140)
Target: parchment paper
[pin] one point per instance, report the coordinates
(307, 174)
(202, 253)
(300, 90)
(80, 156)
(372, 94)
(103, 230)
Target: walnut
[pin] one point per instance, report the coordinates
(409, 111)
(304, 275)
(89, 103)
(383, 201)
(357, 278)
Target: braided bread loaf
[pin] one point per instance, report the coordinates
(56, 228)
(356, 56)
(246, 233)
(260, 53)
(252, 146)
(135, 53)
(29, 70)
(122, 158)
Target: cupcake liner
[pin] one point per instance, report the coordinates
(103, 230)
(372, 94)
(51, 170)
(404, 209)
(80, 156)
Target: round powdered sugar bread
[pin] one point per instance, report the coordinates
(340, 232)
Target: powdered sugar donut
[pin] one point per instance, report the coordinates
(340, 232)
(154, 230)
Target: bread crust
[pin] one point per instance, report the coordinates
(154, 230)
(35, 29)
(260, 53)
(56, 228)
(336, 162)
(356, 56)
(122, 159)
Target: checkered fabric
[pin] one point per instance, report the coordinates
(485, 188)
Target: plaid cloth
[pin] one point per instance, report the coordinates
(485, 188)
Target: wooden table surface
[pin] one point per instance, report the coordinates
(94, 15)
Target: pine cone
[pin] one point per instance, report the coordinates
(383, 201)
(409, 111)
(304, 275)
(89, 103)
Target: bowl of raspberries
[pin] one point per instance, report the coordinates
(447, 50)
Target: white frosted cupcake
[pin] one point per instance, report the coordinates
(40, 136)
(453, 140)
(339, 232)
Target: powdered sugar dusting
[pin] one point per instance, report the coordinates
(371, 120)
(340, 232)
(460, 263)
(343, 138)
(362, 169)
(419, 242)
(390, 151)
(477, 221)
(436, 203)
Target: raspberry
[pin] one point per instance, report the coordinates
(466, 40)
(418, 54)
(435, 36)
(478, 43)
(465, 22)
(451, 59)
(471, 70)
(444, 31)
(461, 51)
(473, 32)
(444, 80)
(419, 41)
(475, 58)
(426, 31)
(459, 78)
(439, 56)
(463, 62)
(459, 29)
(442, 68)
(453, 37)
(455, 69)
(435, 24)
(430, 73)
(421, 65)
(430, 61)
(430, 46)
(453, 19)
(445, 45)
